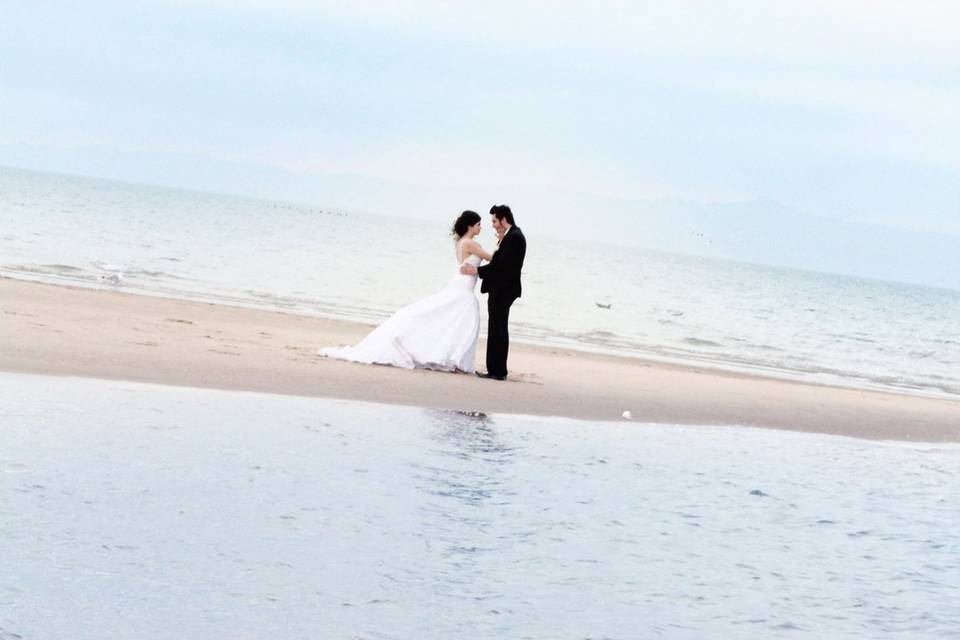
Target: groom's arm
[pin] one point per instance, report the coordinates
(507, 254)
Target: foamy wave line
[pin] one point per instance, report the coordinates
(790, 369)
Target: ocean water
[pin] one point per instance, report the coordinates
(780, 322)
(138, 511)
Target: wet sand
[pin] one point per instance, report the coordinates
(68, 331)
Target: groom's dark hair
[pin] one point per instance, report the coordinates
(502, 212)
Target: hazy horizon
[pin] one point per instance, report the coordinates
(840, 119)
(666, 237)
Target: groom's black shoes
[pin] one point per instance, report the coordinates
(490, 376)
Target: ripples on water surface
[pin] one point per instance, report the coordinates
(319, 261)
(137, 511)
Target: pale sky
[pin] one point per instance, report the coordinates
(846, 110)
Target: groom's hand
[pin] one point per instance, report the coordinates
(468, 270)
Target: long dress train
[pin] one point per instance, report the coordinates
(439, 332)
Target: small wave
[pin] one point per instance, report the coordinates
(64, 268)
(55, 272)
(604, 340)
(766, 347)
(600, 334)
(157, 275)
(700, 342)
(285, 302)
(610, 342)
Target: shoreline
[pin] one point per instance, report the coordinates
(717, 367)
(63, 330)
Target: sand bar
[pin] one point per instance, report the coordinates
(68, 331)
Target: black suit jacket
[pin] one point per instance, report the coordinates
(502, 274)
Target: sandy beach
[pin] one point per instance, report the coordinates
(67, 331)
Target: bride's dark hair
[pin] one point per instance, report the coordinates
(466, 220)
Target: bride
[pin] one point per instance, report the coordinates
(439, 332)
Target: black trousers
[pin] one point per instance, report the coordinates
(498, 334)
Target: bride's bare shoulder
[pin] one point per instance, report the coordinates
(472, 247)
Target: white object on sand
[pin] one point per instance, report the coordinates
(627, 415)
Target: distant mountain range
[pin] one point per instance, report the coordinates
(767, 232)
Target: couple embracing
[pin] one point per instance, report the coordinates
(440, 332)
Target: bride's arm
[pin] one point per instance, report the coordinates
(475, 249)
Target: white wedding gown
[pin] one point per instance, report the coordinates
(439, 332)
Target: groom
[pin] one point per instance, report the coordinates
(501, 280)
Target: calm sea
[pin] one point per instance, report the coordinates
(780, 322)
(138, 511)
